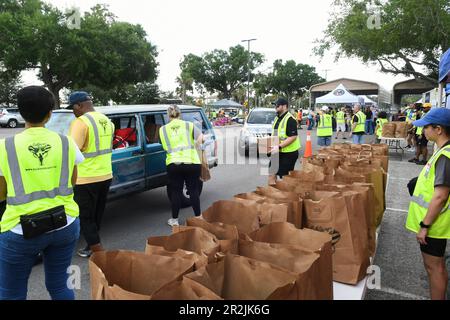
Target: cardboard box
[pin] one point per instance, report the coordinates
(265, 144)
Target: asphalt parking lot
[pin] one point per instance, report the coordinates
(128, 222)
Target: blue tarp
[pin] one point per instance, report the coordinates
(444, 67)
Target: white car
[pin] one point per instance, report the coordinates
(11, 118)
(257, 125)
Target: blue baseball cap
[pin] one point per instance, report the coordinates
(438, 116)
(78, 97)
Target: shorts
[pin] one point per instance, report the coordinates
(421, 140)
(435, 247)
(324, 141)
(341, 127)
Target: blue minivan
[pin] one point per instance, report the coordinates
(138, 159)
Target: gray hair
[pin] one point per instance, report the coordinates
(173, 112)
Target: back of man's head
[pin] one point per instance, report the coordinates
(34, 103)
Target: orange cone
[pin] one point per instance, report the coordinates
(308, 149)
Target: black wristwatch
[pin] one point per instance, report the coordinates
(425, 226)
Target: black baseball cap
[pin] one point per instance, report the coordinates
(281, 102)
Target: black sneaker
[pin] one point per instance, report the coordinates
(421, 163)
(414, 160)
(84, 253)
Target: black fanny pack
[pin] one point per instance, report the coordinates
(42, 222)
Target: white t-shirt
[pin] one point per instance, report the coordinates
(79, 158)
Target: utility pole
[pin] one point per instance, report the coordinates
(248, 68)
(326, 73)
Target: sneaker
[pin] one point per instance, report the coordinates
(414, 160)
(173, 222)
(412, 149)
(421, 163)
(408, 146)
(85, 253)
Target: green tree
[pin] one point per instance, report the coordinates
(405, 37)
(289, 79)
(102, 52)
(220, 71)
(10, 83)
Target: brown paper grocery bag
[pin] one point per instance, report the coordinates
(304, 264)
(374, 176)
(195, 240)
(240, 278)
(225, 233)
(128, 275)
(401, 129)
(205, 174)
(289, 184)
(340, 214)
(233, 213)
(388, 130)
(306, 240)
(267, 212)
(296, 216)
(199, 260)
(366, 207)
(184, 289)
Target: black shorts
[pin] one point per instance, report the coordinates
(287, 163)
(421, 140)
(434, 247)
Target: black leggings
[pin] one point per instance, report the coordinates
(178, 175)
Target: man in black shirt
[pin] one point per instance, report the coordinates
(287, 151)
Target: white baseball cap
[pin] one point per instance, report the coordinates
(325, 108)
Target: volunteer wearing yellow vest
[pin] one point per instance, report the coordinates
(37, 174)
(421, 141)
(429, 209)
(179, 139)
(285, 154)
(381, 121)
(411, 115)
(340, 123)
(358, 125)
(325, 127)
(93, 133)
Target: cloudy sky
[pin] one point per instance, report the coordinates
(284, 29)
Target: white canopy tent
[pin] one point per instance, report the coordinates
(367, 100)
(338, 95)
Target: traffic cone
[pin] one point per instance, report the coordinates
(308, 149)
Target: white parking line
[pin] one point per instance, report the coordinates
(397, 210)
(402, 294)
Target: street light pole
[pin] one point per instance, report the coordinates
(248, 69)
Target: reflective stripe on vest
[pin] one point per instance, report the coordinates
(281, 133)
(421, 199)
(97, 151)
(325, 128)
(340, 117)
(360, 127)
(20, 196)
(190, 146)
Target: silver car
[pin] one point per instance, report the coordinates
(257, 125)
(10, 118)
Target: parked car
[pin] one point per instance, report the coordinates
(10, 117)
(257, 125)
(138, 159)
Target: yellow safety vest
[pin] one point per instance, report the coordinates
(37, 166)
(360, 127)
(281, 133)
(325, 128)
(411, 116)
(98, 154)
(178, 141)
(380, 123)
(421, 199)
(340, 117)
(419, 130)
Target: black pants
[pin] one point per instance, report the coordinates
(283, 163)
(91, 198)
(178, 175)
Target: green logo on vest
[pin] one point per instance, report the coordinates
(175, 130)
(104, 123)
(40, 151)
